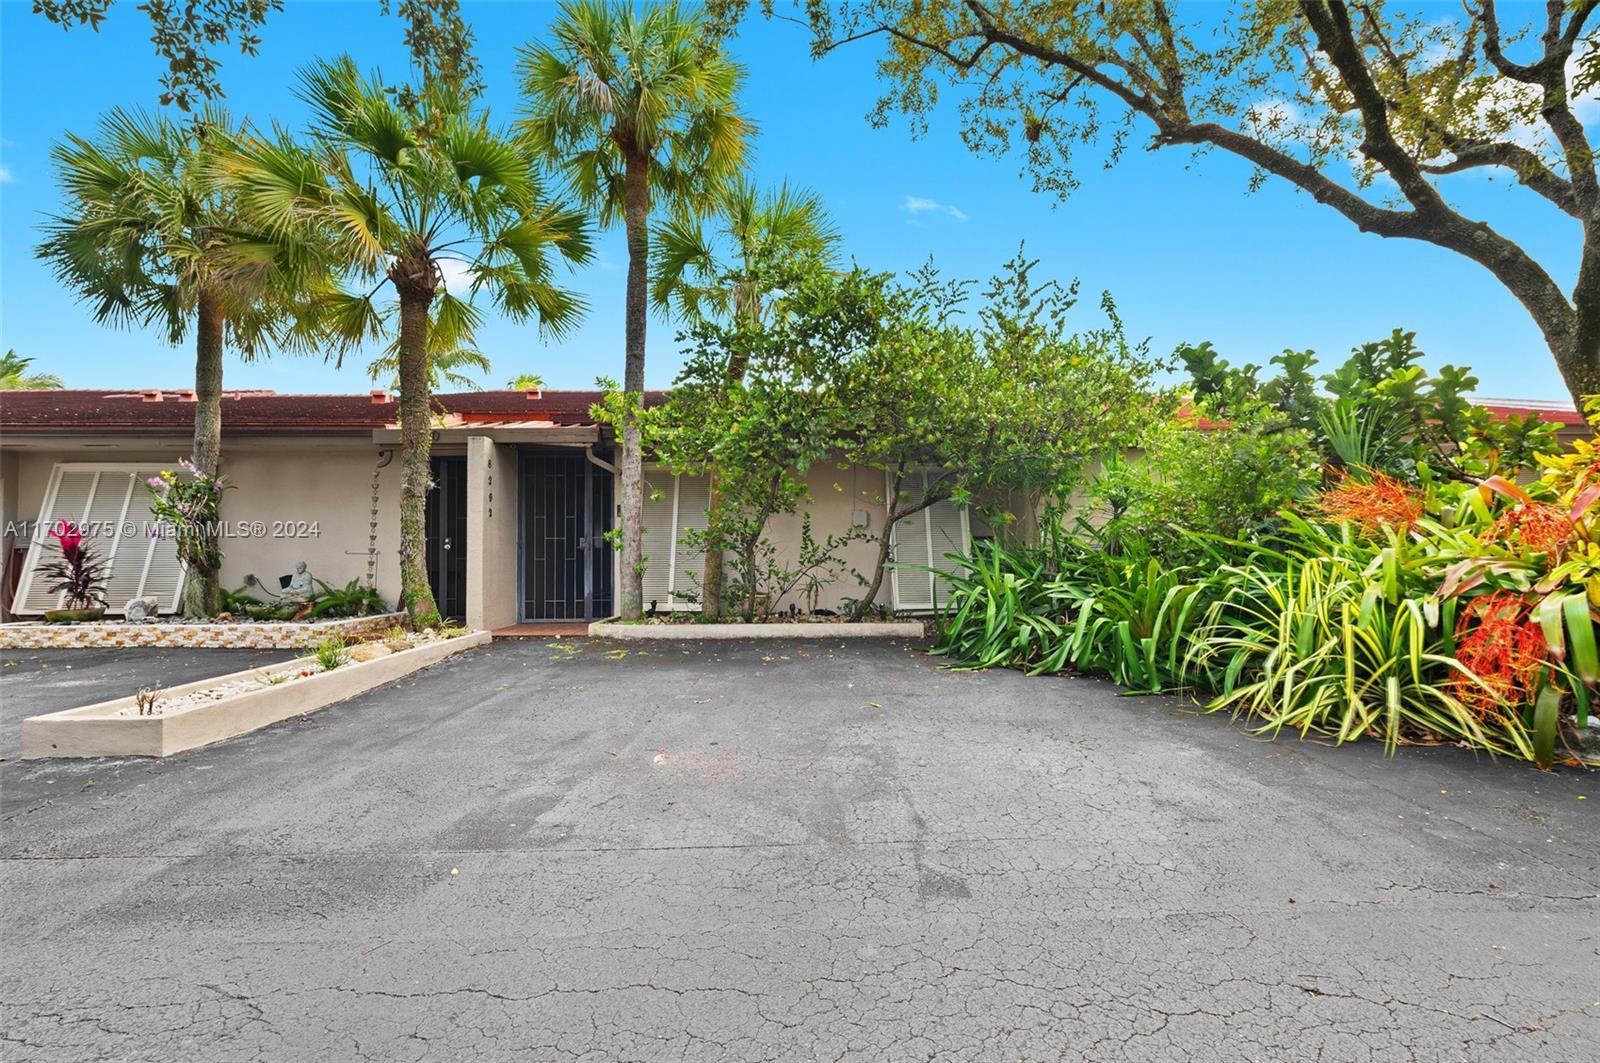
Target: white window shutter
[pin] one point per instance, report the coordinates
(112, 504)
(911, 586)
(947, 530)
(688, 565)
(921, 542)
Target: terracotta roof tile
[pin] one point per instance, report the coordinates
(169, 411)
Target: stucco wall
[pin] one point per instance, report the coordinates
(493, 593)
(296, 500)
(836, 494)
(10, 515)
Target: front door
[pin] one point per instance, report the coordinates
(566, 561)
(447, 536)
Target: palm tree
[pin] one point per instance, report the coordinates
(399, 187)
(714, 270)
(638, 106)
(447, 357)
(150, 237)
(14, 375)
(525, 382)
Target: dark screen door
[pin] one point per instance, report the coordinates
(447, 536)
(566, 508)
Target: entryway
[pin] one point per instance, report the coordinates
(566, 561)
(447, 536)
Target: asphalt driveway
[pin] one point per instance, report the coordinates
(581, 850)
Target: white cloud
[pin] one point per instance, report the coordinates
(5, 175)
(457, 278)
(916, 205)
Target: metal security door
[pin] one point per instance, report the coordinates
(566, 563)
(447, 536)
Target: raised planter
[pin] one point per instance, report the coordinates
(237, 635)
(99, 730)
(879, 629)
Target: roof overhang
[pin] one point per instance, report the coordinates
(529, 432)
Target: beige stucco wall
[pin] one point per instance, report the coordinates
(493, 595)
(10, 517)
(836, 494)
(303, 499)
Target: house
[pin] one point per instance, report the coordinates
(525, 492)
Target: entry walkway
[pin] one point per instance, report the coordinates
(544, 630)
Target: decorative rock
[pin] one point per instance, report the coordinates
(369, 651)
(138, 609)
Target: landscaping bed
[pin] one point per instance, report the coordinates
(206, 634)
(160, 723)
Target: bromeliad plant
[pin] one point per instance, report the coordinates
(77, 572)
(189, 509)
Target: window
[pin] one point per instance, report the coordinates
(112, 505)
(924, 541)
(673, 505)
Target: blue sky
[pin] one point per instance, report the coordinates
(1188, 253)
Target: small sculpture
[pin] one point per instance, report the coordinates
(298, 587)
(141, 609)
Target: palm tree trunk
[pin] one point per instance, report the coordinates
(416, 441)
(202, 591)
(636, 216)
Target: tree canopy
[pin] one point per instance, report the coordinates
(1369, 108)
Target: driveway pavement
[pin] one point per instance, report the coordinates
(739, 851)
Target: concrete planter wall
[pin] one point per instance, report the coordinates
(887, 629)
(244, 635)
(96, 730)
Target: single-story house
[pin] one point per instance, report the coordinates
(525, 490)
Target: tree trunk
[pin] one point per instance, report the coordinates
(752, 585)
(711, 574)
(636, 216)
(202, 591)
(416, 286)
(876, 585)
(892, 515)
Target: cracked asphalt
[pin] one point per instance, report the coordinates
(584, 850)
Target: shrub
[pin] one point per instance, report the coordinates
(1229, 480)
(77, 571)
(330, 653)
(1430, 634)
(353, 599)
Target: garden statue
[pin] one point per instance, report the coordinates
(298, 587)
(140, 609)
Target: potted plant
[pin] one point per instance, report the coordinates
(79, 574)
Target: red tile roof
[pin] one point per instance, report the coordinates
(1557, 411)
(153, 411)
(1552, 411)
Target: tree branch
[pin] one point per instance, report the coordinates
(1529, 168)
